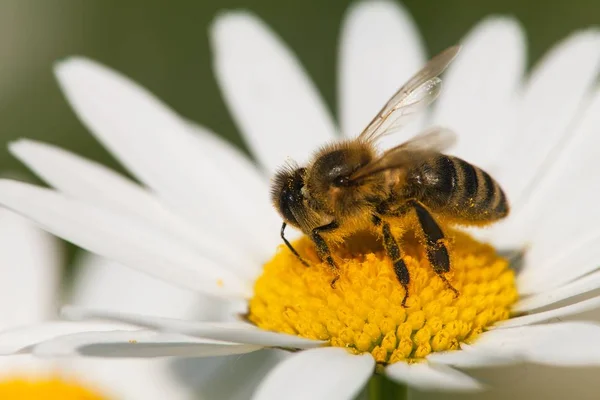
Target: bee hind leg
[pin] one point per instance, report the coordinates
(323, 249)
(437, 252)
(393, 251)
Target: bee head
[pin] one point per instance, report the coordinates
(286, 193)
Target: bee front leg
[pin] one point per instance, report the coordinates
(289, 246)
(323, 250)
(437, 253)
(393, 251)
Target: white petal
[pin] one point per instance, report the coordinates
(136, 344)
(213, 377)
(127, 378)
(425, 376)
(29, 272)
(96, 184)
(119, 379)
(163, 151)
(380, 49)
(572, 309)
(26, 365)
(238, 332)
(22, 339)
(274, 103)
(120, 238)
(480, 88)
(579, 257)
(470, 357)
(566, 344)
(101, 283)
(562, 239)
(104, 284)
(328, 373)
(551, 101)
(253, 184)
(575, 288)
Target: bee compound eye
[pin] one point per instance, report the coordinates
(341, 181)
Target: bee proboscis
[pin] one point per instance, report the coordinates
(348, 185)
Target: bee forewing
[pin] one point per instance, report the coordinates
(436, 138)
(405, 110)
(420, 91)
(419, 148)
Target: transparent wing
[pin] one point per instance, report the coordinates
(426, 144)
(436, 138)
(420, 91)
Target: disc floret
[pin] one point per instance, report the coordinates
(363, 312)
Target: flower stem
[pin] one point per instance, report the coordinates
(381, 388)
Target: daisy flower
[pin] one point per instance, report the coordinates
(202, 218)
(29, 290)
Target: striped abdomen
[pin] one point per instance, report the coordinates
(458, 190)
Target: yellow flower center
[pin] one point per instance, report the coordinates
(363, 312)
(53, 388)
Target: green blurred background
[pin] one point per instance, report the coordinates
(164, 46)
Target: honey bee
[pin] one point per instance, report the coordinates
(348, 186)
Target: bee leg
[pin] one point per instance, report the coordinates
(393, 251)
(437, 253)
(289, 246)
(322, 248)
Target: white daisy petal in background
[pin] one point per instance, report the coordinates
(123, 239)
(569, 173)
(159, 148)
(271, 93)
(480, 89)
(137, 344)
(280, 114)
(545, 344)
(312, 374)
(433, 377)
(552, 99)
(30, 264)
(29, 256)
(365, 83)
(65, 171)
(230, 331)
(550, 115)
(19, 339)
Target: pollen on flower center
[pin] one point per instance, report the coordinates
(363, 311)
(53, 388)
